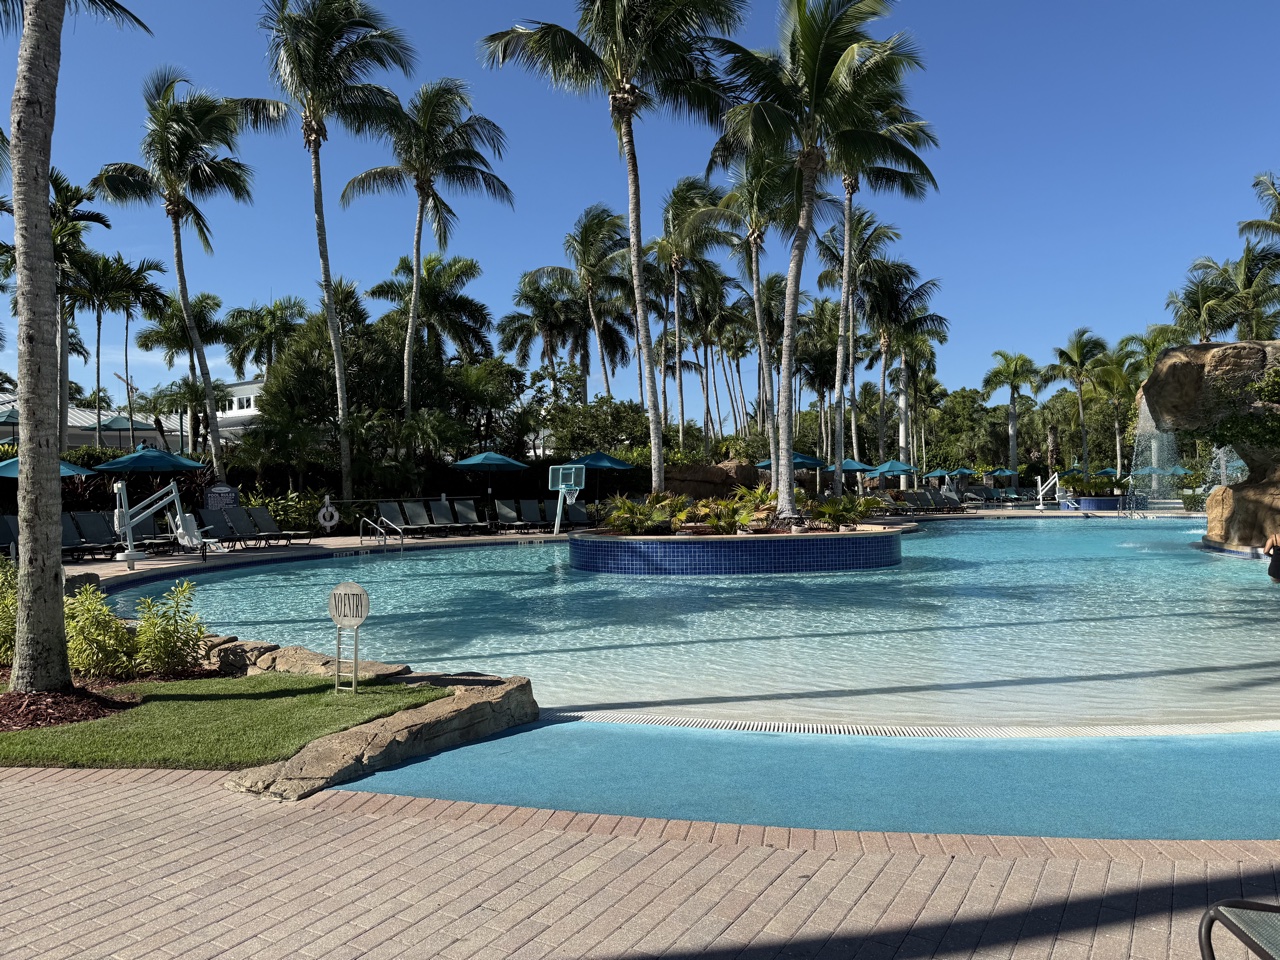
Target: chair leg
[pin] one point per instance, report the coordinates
(1206, 934)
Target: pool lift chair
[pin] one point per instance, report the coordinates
(188, 534)
(1256, 925)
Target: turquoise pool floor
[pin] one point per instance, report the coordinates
(1206, 787)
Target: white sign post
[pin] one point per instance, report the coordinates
(348, 608)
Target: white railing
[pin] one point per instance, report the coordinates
(1043, 487)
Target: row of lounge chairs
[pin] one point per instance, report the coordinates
(233, 527)
(421, 518)
(86, 534)
(922, 501)
(989, 496)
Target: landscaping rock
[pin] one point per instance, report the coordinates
(300, 660)
(75, 581)
(741, 473)
(1199, 386)
(473, 712)
(212, 640)
(237, 656)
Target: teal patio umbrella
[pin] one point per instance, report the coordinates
(801, 460)
(1108, 472)
(9, 468)
(600, 461)
(891, 468)
(962, 472)
(849, 466)
(149, 460)
(935, 474)
(1150, 472)
(490, 462)
(118, 425)
(1175, 471)
(9, 418)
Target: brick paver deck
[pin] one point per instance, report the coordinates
(158, 864)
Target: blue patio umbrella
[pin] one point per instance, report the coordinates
(1073, 472)
(118, 425)
(1150, 472)
(490, 462)
(891, 468)
(9, 418)
(935, 474)
(1108, 472)
(1002, 472)
(962, 472)
(600, 461)
(149, 460)
(9, 468)
(849, 466)
(801, 460)
(1180, 471)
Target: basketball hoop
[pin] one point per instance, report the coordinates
(570, 494)
(568, 480)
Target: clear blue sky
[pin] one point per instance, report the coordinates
(1089, 151)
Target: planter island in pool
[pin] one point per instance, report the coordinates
(868, 548)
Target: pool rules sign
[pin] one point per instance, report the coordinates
(348, 609)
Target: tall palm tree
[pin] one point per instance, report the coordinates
(1197, 308)
(545, 304)
(112, 285)
(448, 314)
(1268, 192)
(321, 54)
(830, 98)
(847, 251)
(259, 334)
(438, 144)
(1115, 376)
(40, 649)
(169, 331)
(143, 295)
(597, 248)
(1072, 363)
(1249, 297)
(641, 56)
(186, 130)
(1018, 372)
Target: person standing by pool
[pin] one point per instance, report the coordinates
(1272, 549)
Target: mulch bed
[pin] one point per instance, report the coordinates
(87, 701)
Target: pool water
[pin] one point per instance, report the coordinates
(1008, 621)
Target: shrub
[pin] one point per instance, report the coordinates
(726, 516)
(98, 644)
(293, 511)
(169, 631)
(1191, 502)
(846, 511)
(8, 610)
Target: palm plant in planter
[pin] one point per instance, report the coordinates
(846, 511)
(726, 516)
(761, 501)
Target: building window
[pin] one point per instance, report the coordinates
(244, 403)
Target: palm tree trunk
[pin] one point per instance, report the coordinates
(853, 384)
(97, 382)
(742, 397)
(904, 419)
(728, 392)
(884, 388)
(335, 331)
(595, 324)
(640, 370)
(1013, 430)
(679, 362)
(1084, 431)
(411, 334)
(637, 279)
(766, 366)
(709, 360)
(662, 367)
(1119, 448)
(197, 348)
(40, 650)
(809, 164)
(842, 339)
(64, 376)
(128, 384)
(193, 414)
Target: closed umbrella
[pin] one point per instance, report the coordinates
(600, 461)
(490, 462)
(9, 469)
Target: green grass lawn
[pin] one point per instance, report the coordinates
(217, 724)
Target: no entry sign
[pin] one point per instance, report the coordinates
(348, 605)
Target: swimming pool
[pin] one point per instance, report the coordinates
(985, 622)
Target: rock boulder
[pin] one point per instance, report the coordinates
(300, 660)
(1203, 386)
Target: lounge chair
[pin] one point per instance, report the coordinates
(443, 519)
(531, 513)
(466, 511)
(213, 526)
(954, 503)
(267, 524)
(508, 519)
(8, 542)
(242, 525)
(74, 545)
(94, 528)
(389, 511)
(576, 514)
(1254, 924)
(418, 522)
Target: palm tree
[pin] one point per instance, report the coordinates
(1018, 372)
(1264, 185)
(1198, 307)
(1249, 289)
(438, 144)
(1148, 346)
(544, 317)
(1115, 377)
(169, 330)
(259, 334)
(322, 53)
(830, 97)
(112, 285)
(1072, 364)
(448, 314)
(596, 247)
(641, 56)
(185, 131)
(40, 648)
